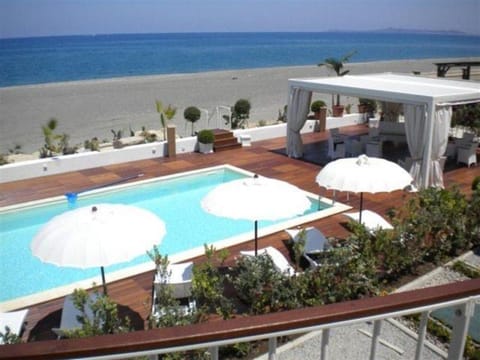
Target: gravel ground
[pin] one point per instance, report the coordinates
(349, 342)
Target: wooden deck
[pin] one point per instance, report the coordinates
(133, 294)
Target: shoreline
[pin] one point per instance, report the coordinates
(89, 108)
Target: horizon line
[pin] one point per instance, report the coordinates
(383, 30)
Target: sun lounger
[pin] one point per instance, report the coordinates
(180, 280)
(14, 320)
(280, 262)
(371, 220)
(69, 319)
(315, 241)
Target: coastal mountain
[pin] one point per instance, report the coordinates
(419, 31)
(402, 31)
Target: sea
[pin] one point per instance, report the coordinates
(36, 60)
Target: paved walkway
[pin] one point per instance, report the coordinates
(396, 341)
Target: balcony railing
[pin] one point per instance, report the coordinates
(460, 296)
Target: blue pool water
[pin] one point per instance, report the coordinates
(176, 201)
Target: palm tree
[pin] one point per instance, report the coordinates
(337, 65)
(165, 115)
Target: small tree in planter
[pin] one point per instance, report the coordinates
(319, 108)
(240, 114)
(367, 106)
(192, 114)
(205, 141)
(337, 65)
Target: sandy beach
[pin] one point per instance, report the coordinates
(86, 109)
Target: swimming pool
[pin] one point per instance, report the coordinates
(175, 199)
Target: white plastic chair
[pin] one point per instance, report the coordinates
(14, 320)
(336, 150)
(467, 154)
(280, 262)
(406, 164)
(354, 147)
(374, 149)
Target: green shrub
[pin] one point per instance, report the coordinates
(105, 319)
(208, 285)
(206, 136)
(436, 221)
(8, 337)
(317, 105)
(262, 287)
(475, 183)
(389, 252)
(344, 274)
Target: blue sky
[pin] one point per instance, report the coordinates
(20, 18)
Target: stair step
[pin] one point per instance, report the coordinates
(225, 140)
(227, 147)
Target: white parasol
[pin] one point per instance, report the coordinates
(98, 235)
(257, 198)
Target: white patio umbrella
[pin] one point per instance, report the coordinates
(257, 198)
(363, 174)
(98, 235)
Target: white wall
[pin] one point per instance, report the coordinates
(61, 164)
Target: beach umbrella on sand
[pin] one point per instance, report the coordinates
(256, 198)
(97, 236)
(363, 174)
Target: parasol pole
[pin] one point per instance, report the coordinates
(361, 207)
(103, 281)
(256, 236)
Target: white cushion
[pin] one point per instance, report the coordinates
(371, 220)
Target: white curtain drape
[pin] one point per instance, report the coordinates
(441, 126)
(297, 111)
(415, 129)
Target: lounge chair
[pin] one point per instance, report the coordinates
(69, 319)
(315, 243)
(280, 262)
(14, 320)
(180, 279)
(371, 220)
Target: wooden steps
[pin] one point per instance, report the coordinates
(224, 140)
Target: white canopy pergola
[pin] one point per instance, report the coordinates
(426, 104)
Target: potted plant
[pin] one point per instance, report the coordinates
(205, 141)
(192, 114)
(337, 65)
(367, 106)
(319, 108)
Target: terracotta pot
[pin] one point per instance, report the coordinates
(362, 108)
(337, 110)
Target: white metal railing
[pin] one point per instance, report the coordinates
(271, 326)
